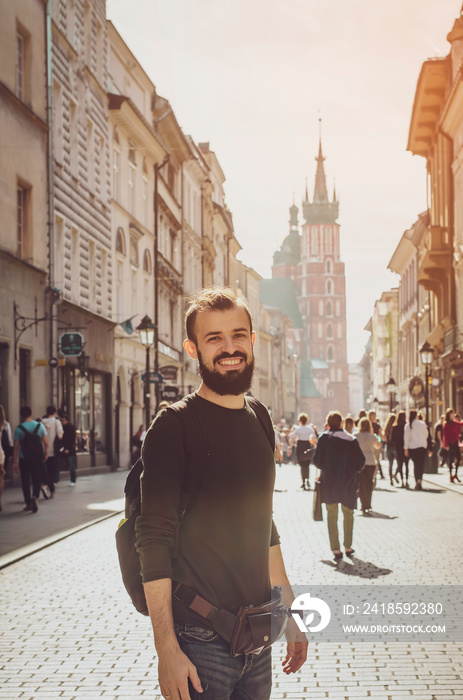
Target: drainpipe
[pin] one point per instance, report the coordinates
(53, 373)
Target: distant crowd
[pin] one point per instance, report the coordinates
(39, 450)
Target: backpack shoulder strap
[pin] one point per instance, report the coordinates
(21, 427)
(36, 429)
(264, 419)
(195, 442)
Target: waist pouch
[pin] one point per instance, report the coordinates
(251, 630)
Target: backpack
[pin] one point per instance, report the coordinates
(129, 559)
(32, 445)
(6, 447)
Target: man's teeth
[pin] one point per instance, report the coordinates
(230, 362)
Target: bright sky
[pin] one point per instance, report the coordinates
(253, 76)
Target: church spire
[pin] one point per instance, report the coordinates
(320, 192)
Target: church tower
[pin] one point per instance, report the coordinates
(311, 262)
(322, 293)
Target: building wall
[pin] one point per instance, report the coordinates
(24, 208)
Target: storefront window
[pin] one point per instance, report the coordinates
(99, 415)
(82, 404)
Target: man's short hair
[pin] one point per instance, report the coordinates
(25, 411)
(334, 420)
(212, 299)
(51, 410)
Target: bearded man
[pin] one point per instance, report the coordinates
(227, 549)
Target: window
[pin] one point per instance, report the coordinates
(147, 262)
(320, 307)
(120, 291)
(20, 64)
(73, 140)
(330, 354)
(133, 252)
(132, 188)
(145, 201)
(21, 220)
(91, 274)
(120, 241)
(329, 331)
(339, 330)
(329, 287)
(58, 122)
(75, 266)
(173, 246)
(90, 150)
(329, 308)
(315, 243)
(328, 267)
(338, 308)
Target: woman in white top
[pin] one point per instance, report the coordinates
(415, 444)
(305, 438)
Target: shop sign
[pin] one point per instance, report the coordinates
(169, 372)
(155, 377)
(169, 393)
(71, 344)
(416, 388)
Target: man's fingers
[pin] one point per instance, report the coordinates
(195, 681)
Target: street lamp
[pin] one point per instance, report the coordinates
(391, 387)
(426, 354)
(146, 330)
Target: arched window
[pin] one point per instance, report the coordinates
(328, 267)
(120, 241)
(329, 331)
(330, 354)
(329, 287)
(320, 307)
(133, 251)
(329, 308)
(147, 262)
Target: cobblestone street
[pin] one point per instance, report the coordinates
(69, 631)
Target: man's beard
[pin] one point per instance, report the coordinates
(233, 382)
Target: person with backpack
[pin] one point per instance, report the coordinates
(201, 579)
(54, 430)
(30, 452)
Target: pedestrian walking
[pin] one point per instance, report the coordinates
(451, 439)
(398, 440)
(305, 440)
(390, 446)
(228, 549)
(349, 425)
(415, 445)
(376, 429)
(30, 452)
(6, 449)
(362, 414)
(340, 459)
(54, 430)
(370, 446)
(442, 452)
(68, 448)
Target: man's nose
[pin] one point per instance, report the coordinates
(229, 345)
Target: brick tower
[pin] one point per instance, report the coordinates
(313, 261)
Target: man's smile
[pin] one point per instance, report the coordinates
(232, 362)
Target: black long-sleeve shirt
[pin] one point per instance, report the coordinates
(225, 537)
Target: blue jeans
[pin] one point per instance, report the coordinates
(224, 677)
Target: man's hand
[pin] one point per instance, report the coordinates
(174, 669)
(296, 655)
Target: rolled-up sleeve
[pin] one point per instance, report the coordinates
(161, 484)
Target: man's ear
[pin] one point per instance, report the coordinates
(191, 349)
(253, 338)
